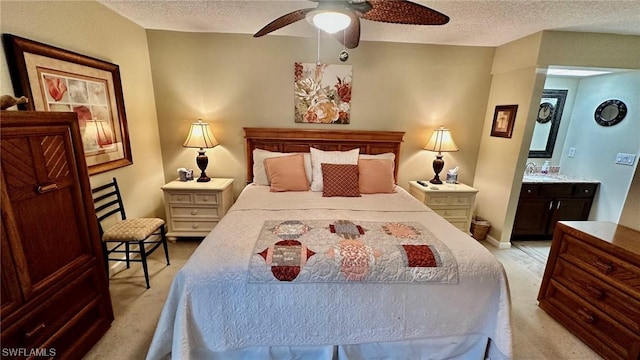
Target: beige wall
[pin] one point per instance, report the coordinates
(91, 29)
(233, 81)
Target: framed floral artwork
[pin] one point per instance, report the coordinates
(54, 79)
(322, 93)
(504, 117)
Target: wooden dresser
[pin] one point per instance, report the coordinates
(592, 285)
(55, 296)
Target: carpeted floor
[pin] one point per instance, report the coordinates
(535, 334)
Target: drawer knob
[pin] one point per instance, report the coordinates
(194, 212)
(586, 316)
(586, 191)
(529, 191)
(180, 198)
(602, 266)
(194, 226)
(594, 291)
(35, 330)
(205, 198)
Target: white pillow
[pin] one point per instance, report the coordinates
(260, 174)
(318, 157)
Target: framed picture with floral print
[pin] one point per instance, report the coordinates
(54, 79)
(322, 93)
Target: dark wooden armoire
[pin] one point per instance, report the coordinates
(55, 295)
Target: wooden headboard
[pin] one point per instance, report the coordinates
(300, 140)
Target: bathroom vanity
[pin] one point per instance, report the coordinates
(545, 200)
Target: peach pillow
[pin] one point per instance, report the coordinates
(286, 173)
(376, 176)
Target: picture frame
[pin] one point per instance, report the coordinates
(504, 117)
(55, 79)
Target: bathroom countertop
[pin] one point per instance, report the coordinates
(555, 178)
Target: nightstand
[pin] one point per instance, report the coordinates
(194, 208)
(454, 202)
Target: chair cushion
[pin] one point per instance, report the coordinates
(132, 229)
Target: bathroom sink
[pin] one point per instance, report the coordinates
(538, 178)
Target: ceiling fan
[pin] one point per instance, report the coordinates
(390, 11)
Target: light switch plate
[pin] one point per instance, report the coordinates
(572, 152)
(625, 159)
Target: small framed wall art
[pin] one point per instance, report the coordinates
(54, 79)
(504, 117)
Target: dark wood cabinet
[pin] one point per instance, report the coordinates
(55, 297)
(541, 206)
(591, 285)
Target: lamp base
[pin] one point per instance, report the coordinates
(202, 160)
(438, 164)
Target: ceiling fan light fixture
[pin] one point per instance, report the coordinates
(329, 21)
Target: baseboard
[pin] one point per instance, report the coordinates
(498, 244)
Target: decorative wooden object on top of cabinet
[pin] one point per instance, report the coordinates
(55, 295)
(454, 202)
(541, 206)
(194, 208)
(591, 285)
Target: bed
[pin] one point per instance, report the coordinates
(299, 275)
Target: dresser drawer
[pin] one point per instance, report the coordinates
(622, 307)
(212, 198)
(45, 320)
(195, 225)
(590, 324)
(196, 212)
(435, 200)
(603, 265)
(452, 213)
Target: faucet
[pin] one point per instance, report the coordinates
(530, 168)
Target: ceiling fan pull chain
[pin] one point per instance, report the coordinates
(318, 61)
(344, 55)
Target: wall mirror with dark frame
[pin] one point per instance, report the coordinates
(548, 118)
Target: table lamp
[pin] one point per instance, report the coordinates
(440, 142)
(200, 136)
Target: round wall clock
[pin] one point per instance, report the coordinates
(610, 112)
(545, 112)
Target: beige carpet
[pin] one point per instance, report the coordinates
(136, 309)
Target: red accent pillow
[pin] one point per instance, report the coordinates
(340, 180)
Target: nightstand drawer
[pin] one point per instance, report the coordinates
(452, 213)
(195, 225)
(206, 199)
(434, 200)
(180, 198)
(196, 212)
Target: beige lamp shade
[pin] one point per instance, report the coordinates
(200, 136)
(441, 141)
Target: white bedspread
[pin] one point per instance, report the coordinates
(212, 307)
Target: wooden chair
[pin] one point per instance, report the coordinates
(143, 232)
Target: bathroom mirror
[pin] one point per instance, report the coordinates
(547, 123)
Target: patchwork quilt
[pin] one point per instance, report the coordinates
(350, 251)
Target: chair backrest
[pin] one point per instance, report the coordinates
(108, 202)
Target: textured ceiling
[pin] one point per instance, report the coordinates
(473, 22)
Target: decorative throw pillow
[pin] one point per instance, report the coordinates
(259, 174)
(318, 157)
(340, 180)
(391, 156)
(376, 176)
(286, 173)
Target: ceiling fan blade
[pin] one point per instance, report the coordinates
(283, 21)
(350, 37)
(404, 12)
